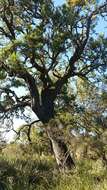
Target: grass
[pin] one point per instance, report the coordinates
(30, 171)
(84, 178)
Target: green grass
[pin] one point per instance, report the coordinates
(30, 171)
(84, 177)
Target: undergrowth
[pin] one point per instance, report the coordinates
(30, 171)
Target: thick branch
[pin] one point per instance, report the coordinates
(29, 79)
(9, 26)
(88, 68)
(9, 91)
(45, 78)
(14, 107)
(3, 32)
(78, 52)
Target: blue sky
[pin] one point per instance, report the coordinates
(101, 23)
(100, 28)
(59, 2)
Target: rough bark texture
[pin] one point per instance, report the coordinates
(62, 155)
(61, 152)
(45, 113)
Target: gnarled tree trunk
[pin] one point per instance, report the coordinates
(45, 113)
(60, 150)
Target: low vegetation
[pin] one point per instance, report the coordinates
(21, 167)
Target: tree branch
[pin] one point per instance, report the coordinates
(9, 25)
(29, 79)
(78, 52)
(28, 132)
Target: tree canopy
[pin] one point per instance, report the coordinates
(42, 47)
(45, 51)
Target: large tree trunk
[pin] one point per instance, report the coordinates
(62, 155)
(60, 150)
(45, 113)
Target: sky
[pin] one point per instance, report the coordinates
(59, 2)
(101, 25)
(19, 122)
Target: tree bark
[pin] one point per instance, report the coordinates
(46, 114)
(61, 152)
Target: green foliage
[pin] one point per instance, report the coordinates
(39, 42)
(41, 47)
(2, 75)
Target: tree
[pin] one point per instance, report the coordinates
(41, 48)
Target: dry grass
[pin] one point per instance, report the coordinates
(31, 171)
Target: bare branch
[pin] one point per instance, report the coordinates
(18, 133)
